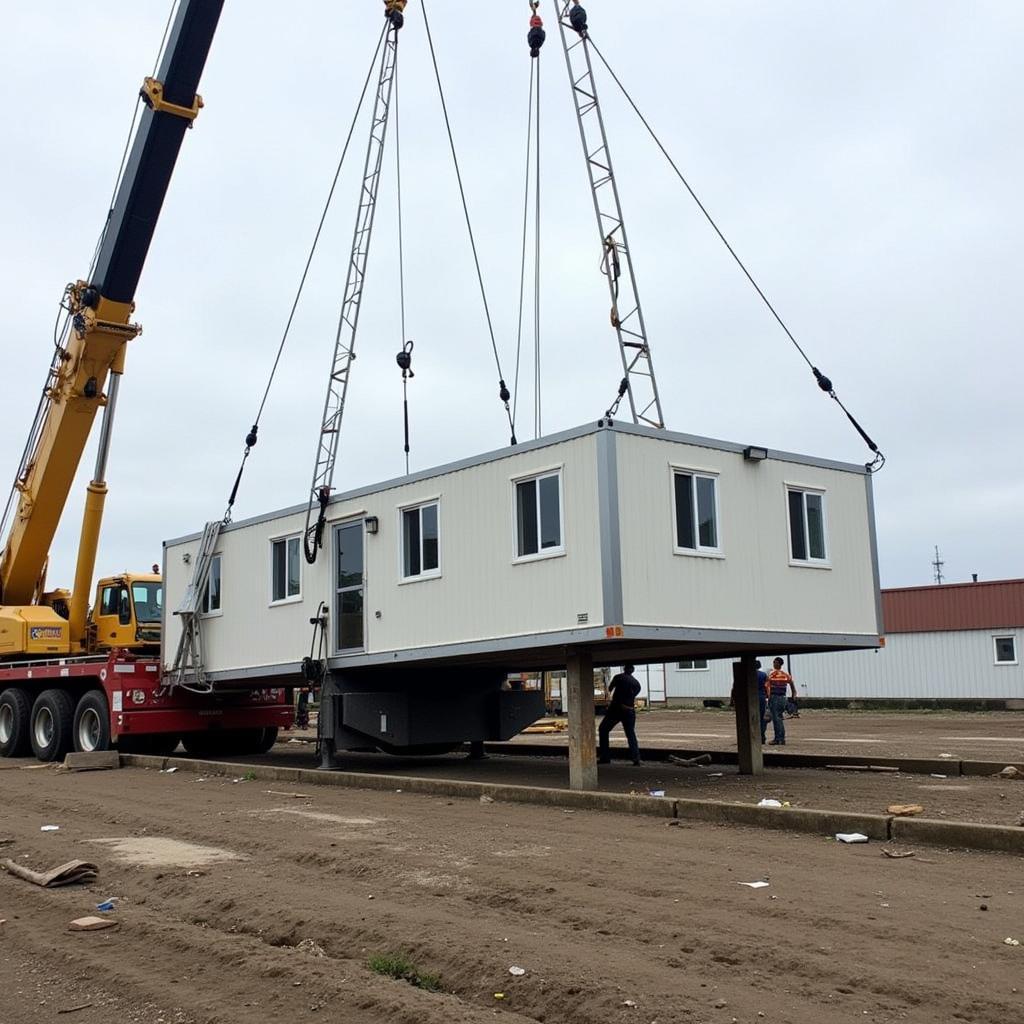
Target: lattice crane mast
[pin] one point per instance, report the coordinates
(638, 382)
(348, 322)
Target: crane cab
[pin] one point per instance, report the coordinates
(127, 613)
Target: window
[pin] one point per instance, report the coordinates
(539, 516)
(1006, 650)
(696, 500)
(693, 665)
(285, 569)
(421, 555)
(807, 526)
(212, 594)
(349, 584)
(112, 600)
(148, 598)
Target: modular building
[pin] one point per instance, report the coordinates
(623, 542)
(945, 643)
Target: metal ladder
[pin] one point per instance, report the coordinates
(344, 350)
(189, 668)
(626, 315)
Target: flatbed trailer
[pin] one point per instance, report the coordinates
(50, 707)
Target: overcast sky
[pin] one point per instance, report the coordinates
(865, 159)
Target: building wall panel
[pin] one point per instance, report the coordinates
(753, 586)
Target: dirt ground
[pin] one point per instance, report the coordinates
(613, 918)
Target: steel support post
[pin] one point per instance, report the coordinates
(748, 715)
(582, 737)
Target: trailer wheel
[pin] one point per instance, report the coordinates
(52, 728)
(92, 723)
(267, 741)
(15, 715)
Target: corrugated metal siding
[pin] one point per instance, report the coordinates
(753, 586)
(954, 606)
(942, 665)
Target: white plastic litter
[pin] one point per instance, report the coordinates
(770, 803)
(940, 776)
(1011, 942)
(851, 837)
(50, 828)
(755, 885)
(657, 792)
(517, 972)
(168, 771)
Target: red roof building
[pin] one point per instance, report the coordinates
(954, 606)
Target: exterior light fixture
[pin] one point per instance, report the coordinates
(372, 525)
(755, 454)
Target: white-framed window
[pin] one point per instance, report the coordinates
(538, 516)
(421, 541)
(213, 595)
(693, 665)
(695, 501)
(808, 537)
(1005, 650)
(286, 569)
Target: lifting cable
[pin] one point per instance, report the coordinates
(503, 392)
(538, 34)
(823, 382)
(526, 221)
(404, 357)
(251, 437)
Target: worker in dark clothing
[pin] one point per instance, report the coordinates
(622, 708)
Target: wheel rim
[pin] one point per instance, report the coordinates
(89, 729)
(43, 728)
(6, 723)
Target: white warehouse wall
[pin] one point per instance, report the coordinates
(955, 665)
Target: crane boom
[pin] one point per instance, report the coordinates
(84, 374)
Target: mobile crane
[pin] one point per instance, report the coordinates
(70, 676)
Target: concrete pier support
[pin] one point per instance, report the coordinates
(748, 713)
(582, 739)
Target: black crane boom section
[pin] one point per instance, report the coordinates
(154, 153)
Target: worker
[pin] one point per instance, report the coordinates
(779, 682)
(621, 709)
(762, 700)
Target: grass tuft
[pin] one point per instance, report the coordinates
(401, 968)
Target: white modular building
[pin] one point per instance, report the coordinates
(949, 642)
(627, 542)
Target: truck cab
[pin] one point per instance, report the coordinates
(127, 613)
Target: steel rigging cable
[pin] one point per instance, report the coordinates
(824, 383)
(252, 436)
(503, 392)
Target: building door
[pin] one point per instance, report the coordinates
(657, 684)
(349, 589)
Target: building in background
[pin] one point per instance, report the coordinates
(953, 642)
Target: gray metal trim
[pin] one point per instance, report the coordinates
(426, 474)
(611, 545)
(870, 490)
(730, 446)
(258, 672)
(771, 639)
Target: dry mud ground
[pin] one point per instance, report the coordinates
(602, 911)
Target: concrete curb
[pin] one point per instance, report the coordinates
(954, 834)
(990, 768)
(964, 835)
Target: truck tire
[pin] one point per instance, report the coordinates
(91, 728)
(267, 741)
(15, 715)
(52, 724)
